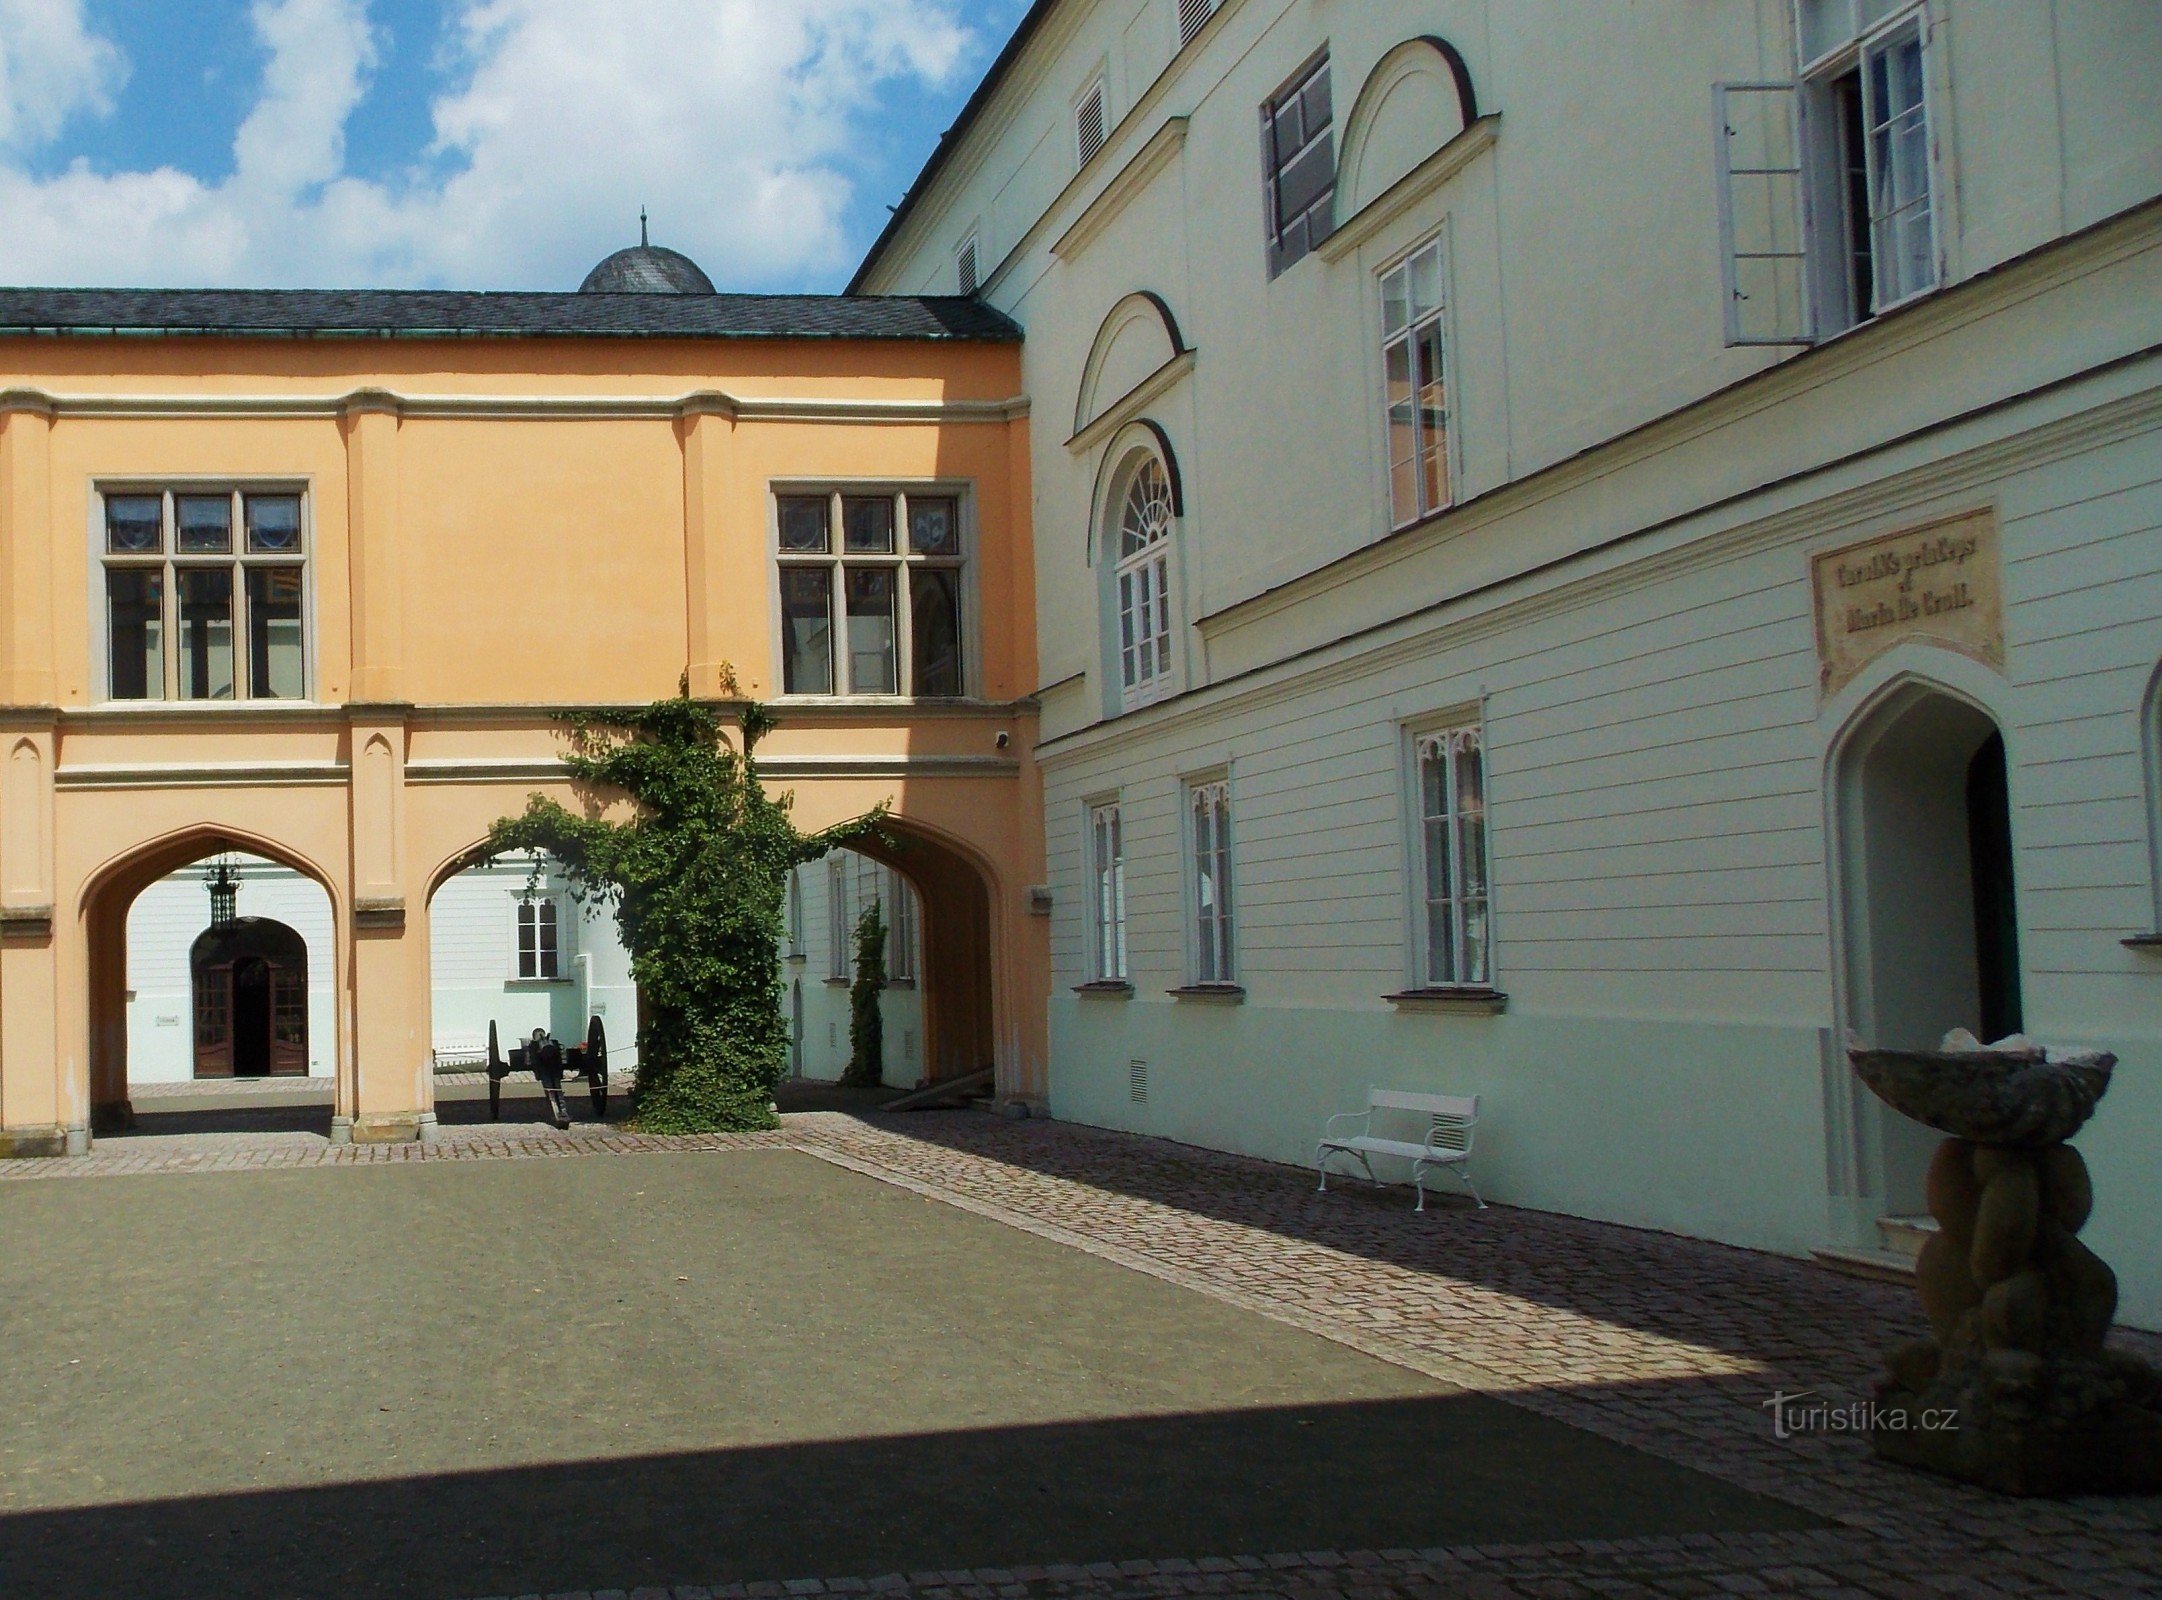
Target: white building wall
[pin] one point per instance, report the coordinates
(1623, 588)
(817, 998)
(473, 954)
(162, 927)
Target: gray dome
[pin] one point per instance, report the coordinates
(647, 269)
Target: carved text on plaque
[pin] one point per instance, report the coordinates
(1940, 582)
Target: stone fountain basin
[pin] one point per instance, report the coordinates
(2027, 1098)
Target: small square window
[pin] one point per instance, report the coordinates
(934, 527)
(203, 523)
(803, 523)
(867, 526)
(273, 524)
(134, 524)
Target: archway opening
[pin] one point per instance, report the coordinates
(213, 993)
(249, 983)
(938, 1007)
(1929, 903)
(513, 948)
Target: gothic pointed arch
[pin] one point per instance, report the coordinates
(1418, 97)
(1137, 345)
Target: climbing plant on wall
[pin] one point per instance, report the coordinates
(866, 1027)
(697, 876)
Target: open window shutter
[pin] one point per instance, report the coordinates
(1762, 225)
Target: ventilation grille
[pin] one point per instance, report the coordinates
(966, 261)
(1193, 13)
(1450, 1133)
(1137, 1082)
(1089, 124)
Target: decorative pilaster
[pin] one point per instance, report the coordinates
(371, 510)
(711, 589)
(38, 1115)
(27, 674)
(387, 1092)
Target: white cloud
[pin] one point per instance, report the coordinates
(737, 121)
(51, 66)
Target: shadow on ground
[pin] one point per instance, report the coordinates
(1786, 1314)
(1397, 1474)
(312, 1117)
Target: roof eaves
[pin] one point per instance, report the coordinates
(950, 140)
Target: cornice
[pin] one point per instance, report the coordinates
(1414, 186)
(1130, 405)
(559, 407)
(1510, 602)
(1165, 143)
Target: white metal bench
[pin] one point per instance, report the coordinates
(1446, 1122)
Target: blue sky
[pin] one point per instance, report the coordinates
(468, 143)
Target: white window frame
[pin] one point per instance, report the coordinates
(1407, 338)
(1105, 831)
(546, 911)
(900, 901)
(1810, 201)
(1211, 882)
(836, 560)
(841, 927)
(1098, 90)
(1465, 899)
(168, 559)
(1141, 586)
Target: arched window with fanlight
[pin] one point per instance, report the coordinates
(1143, 514)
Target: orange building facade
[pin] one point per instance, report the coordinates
(308, 575)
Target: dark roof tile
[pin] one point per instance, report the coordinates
(452, 314)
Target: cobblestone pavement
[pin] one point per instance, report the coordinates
(1669, 1345)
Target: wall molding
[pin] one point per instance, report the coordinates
(1164, 144)
(1412, 188)
(492, 407)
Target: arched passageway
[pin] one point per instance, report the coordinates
(957, 971)
(185, 984)
(1928, 904)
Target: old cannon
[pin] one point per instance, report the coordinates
(550, 1063)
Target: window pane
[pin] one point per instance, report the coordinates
(803, 523)
(871, 630)
(934, 527)
(273, 523)
(867, 526)
(134, 523)
(1163, 616)
(1126, 628)
(206, 632)
(203, 523)
(1433, 421)
(1403, 436)
(1396, 301)
(934, 603)
(806, 630)
(275, 659)
(135, 630)
(1426, 282)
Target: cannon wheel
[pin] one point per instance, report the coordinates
(496, 1070)
(597, 1066)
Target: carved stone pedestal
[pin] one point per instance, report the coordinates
(2016, 1391)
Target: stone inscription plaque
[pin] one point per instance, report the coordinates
(1939, 582)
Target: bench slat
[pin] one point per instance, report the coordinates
(1446, 1105)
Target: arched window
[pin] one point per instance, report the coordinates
(1142, 582)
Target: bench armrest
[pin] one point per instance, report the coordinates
(1363, 1118)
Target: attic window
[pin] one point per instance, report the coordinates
(1089, 123)
(1192, 14)
(965, 264)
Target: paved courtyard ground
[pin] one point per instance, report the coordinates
(940, 1355)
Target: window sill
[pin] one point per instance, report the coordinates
(798, 959)
(900, 983)
(1105, 989)
(2144, 941)
(1469, 1000)
(539, 983)
(1220, 994)
(839, 983)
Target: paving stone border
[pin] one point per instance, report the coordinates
(1666, 1344)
